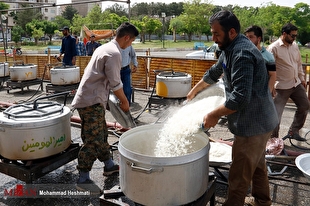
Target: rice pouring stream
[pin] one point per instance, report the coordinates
(176, 136)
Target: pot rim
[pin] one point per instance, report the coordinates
(153, 160)
(22, 123)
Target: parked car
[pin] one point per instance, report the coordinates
(44, 38)
(211, 52)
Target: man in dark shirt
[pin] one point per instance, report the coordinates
(91, 45)
(68, 47)
(249, 108)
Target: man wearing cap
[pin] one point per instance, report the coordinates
(91, 45)
(68, 48)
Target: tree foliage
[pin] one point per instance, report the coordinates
(16, 33)
(23, 17)
(3, 6)
(118, 9)
(189, 18)
(195, 17)
(69, 13)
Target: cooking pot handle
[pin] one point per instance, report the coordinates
(35, 105)
(144, 170)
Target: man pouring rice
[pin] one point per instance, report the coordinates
(249, 108)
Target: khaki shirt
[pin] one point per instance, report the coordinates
(288, 63)
(101, 75)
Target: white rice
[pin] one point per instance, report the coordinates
(175, 136)
(220, 152)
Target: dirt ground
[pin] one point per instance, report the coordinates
(290, 188)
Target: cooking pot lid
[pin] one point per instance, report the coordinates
(31, 110)
(64, 67)
(124, 119)
(172, 74)
(23, 65)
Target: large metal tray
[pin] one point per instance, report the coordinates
(123, 118)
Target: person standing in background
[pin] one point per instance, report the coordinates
(128, 57)
(68, 48)
(101, 75)
(255, 34)
(80, 47)
(290, 81)
(91, 45)
(246, 87)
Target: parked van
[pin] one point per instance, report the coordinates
(211, 52)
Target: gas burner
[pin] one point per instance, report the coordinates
(51, 88)
(24, 83)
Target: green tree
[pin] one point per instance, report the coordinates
(16, 33)
(3, 6)
(77, 23)
(49, 28)
(195, 17)
(35, 28)
(61, 22)
(139, 25)
(246, 16)
(175, 25)
(118, 9)
(23, 17)
(301, 14)
(152, 26)
(69, 13)
(94, 18)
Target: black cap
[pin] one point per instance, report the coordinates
(65, 28)
(93, 35)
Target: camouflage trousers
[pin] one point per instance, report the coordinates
(94, 134)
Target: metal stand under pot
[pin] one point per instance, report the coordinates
(116, 197)
(64, 78)
(23, 75)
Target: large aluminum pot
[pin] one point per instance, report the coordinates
(150, 180)
(4, 69)
(34, 130)
(65, 75)
(303, 164)
(23, 72)
(173, 84)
